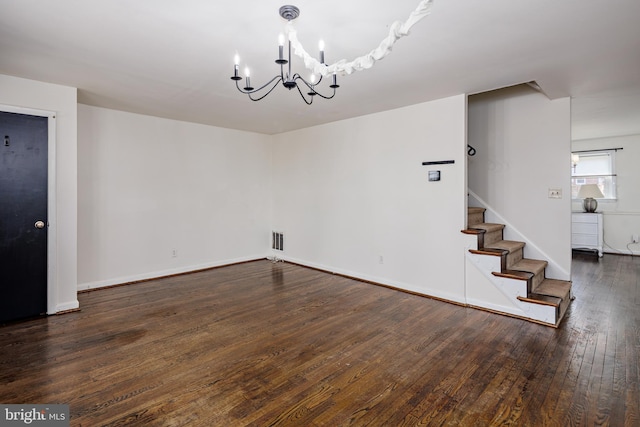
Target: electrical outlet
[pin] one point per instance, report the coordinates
(381, 260)
(634, 238)
(555, 193)
(174, 253)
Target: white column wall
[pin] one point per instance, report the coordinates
(353, 197)
(523, 143)
(149, 186)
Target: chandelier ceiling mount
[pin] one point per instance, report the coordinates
(289, 12)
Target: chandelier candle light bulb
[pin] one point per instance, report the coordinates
(321, 48)
(281, 59)
(312, 81)
(248, 74)
(236, 66)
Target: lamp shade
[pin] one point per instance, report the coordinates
(590, 190)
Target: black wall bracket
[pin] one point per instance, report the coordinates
(439, 162)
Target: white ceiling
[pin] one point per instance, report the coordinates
(174, 58)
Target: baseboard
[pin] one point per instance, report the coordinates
(66, 307)
(494, 308)
(615, 251)
(515, 316)
(399, 286)
(122, 280)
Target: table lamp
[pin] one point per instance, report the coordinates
(590, 192)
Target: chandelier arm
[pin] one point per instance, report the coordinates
(297, 76)
(324, 96)
(313, 87)
(266, 93)
(302, 95)
(247, 92)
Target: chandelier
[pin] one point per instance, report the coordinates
(288, 79)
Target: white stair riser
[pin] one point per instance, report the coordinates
(512, 289)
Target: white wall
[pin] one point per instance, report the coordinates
(523, 143)
(62, 100)
(148, 186)
(622, 217)
(348, 193)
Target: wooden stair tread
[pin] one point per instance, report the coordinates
(542, 299)
(473, 231)
(487, 251)
(489, 226)
(513, 274)
(555, 288)
(531, 265)
(508, 245)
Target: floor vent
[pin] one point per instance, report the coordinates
(277, 241)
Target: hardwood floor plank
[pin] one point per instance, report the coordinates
(485, 353)
(632, 390)
(279, 344)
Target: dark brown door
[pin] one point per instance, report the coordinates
(23, 216)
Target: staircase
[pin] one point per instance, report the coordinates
(522, 280)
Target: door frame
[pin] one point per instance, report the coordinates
(52, 256)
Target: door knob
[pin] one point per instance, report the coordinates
(39, 224)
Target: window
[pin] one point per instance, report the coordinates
(594, 167)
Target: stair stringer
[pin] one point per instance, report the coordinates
(531, 250)
(500, 294)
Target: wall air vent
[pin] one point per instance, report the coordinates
(277, 240)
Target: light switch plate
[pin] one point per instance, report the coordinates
(555, 193)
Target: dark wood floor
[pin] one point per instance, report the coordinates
(277, 344)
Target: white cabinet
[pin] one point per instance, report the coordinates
(586, 231)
